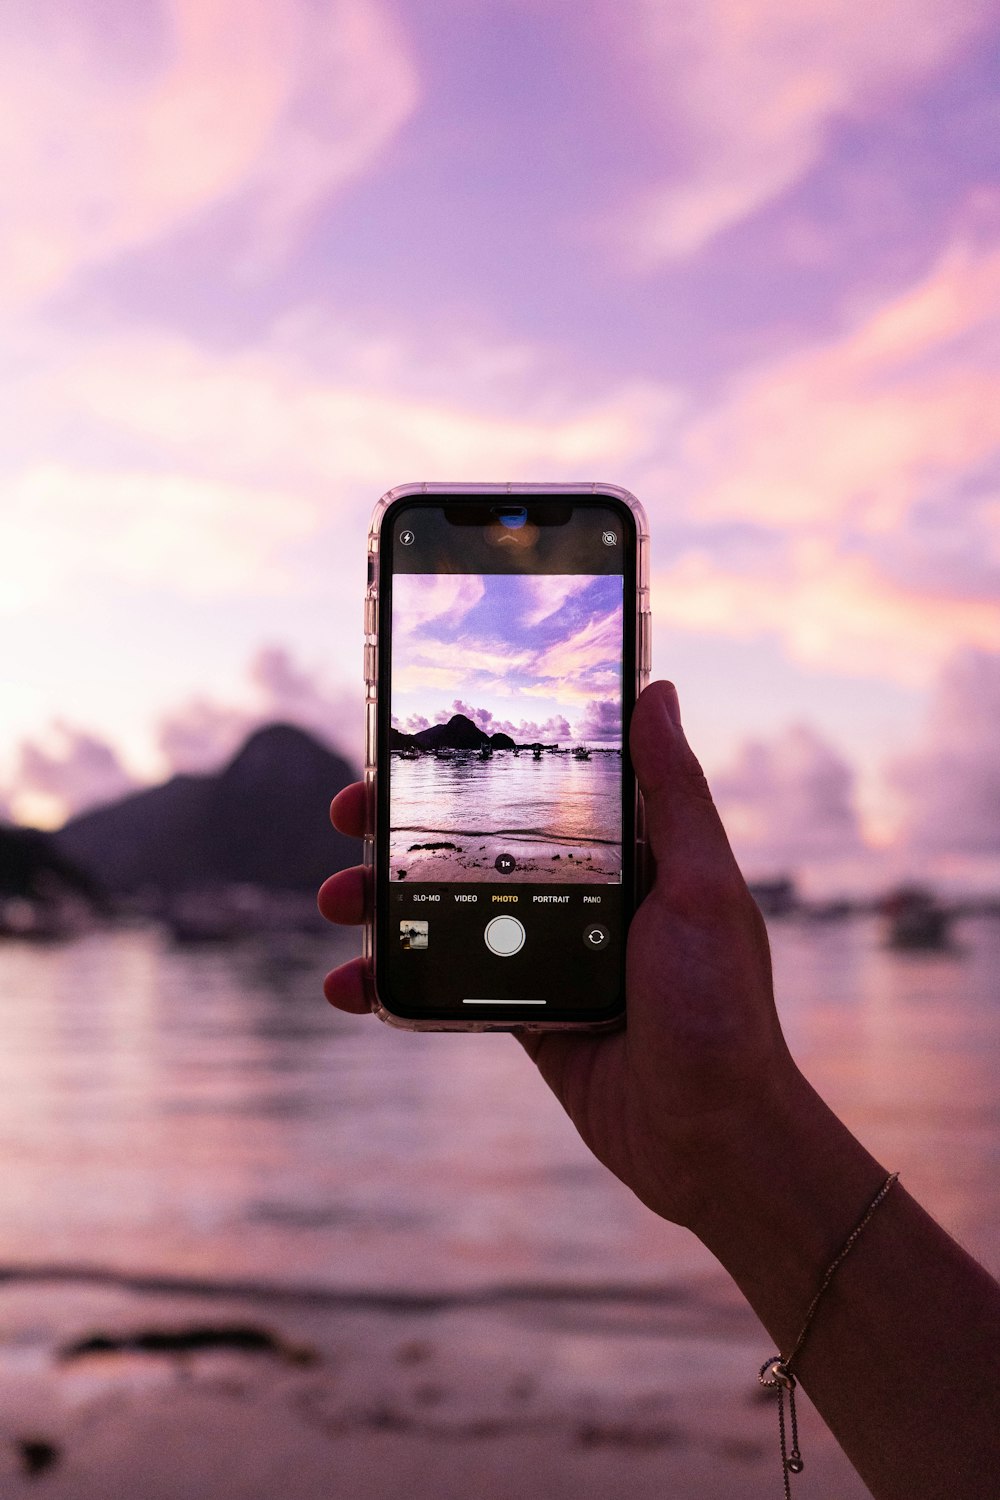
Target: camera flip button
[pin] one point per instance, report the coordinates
(596, 937)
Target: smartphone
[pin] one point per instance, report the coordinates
(507, 634)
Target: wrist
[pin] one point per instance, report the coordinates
(776, 1193)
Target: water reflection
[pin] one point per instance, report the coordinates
(557, 794)
(906, 1046)
(205, 1112)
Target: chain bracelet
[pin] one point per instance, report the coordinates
(776, 1372)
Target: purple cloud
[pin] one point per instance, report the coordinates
(602, 721)
(950, 786)
(411, 725)
(80, 770)
(748, 97)
(524, 730)
(789, 801)
(202, 733)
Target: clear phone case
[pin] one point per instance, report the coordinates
(643, 636)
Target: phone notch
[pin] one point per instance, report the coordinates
(511, 516)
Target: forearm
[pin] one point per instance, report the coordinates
(699, 1108)
(903, 1355)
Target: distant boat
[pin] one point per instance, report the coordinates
(776, 898)
(410, 752)
(536, 753)
(233, 913)
(486, 753)
(203, 917)
(835, 910)
(38, 921)
(914, 919)
(581, 753)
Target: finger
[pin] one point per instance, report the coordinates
(344, 897)
(685, 831)
(348, 810)
(350, 987)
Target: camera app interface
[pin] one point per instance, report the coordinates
(505, 818)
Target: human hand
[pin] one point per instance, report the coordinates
(664, 1102)
(698, 1107)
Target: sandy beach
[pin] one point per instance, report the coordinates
(559, 818)
(539, 861)
(506, 1394)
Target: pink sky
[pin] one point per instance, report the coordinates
(262, 261)
(526, 652)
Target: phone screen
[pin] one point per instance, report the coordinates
(505, 843)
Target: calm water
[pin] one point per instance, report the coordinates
(556, 797)
(206, 1113)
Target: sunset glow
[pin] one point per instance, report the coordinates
(263, 261)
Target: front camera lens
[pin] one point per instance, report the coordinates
(515, 517)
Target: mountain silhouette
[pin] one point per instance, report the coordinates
(34, 868)
(460, 733)
(262, 820)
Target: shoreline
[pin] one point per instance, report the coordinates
(112, 1391)
(464, 860)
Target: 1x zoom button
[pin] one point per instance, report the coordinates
(596, 937)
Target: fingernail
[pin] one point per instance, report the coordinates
(672, 704)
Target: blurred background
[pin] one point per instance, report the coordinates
(259, 263)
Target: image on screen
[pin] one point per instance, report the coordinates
(506, 728)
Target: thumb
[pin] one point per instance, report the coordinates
(688, 841)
